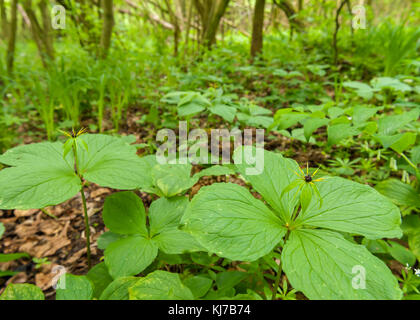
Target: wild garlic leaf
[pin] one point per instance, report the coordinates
(160, 285)
(323, 265)
(71, 287)
(227, 220)
(352, 207)
(277, 174)
(38, 177)
(22, 291)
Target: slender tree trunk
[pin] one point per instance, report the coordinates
(300, 5)
(4, 23)
(12, 38)
(257, 29)
(290, 12)
(188, 28)
(108, 24)
(47, 29)
(175, 22)
(216, 15)
(43, 38)
(337, 27)
(211, 12)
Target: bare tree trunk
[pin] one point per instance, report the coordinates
(4, 23)
(187, 32)
(257, 28)
(47, 29)
(175, 22)
(12, 38)
(43, 38)
(300, 5)
(337, 27)
(108, 24)
(290, 12)
(217, 14)
(211, 12)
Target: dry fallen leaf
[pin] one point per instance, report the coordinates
(25, 213)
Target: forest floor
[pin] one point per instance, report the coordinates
(62, 239)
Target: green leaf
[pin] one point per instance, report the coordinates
(363, 90)
(38, 177)
(362, 114)
(391, 123)
(401, 253)
(5, 257)
(415, 155)
(124, 213)
(118, 289)
(71, 287)
(199, 285)
(414, 243)
(397, 142)
(2, 229)
(176, 242)
(227, 220)
(224, 111)
(160, 285)
(276, 175)
(130, 256)
(106, 239)
(22, 291)
(352, 207)
(173, 179)
(389, 83)
(323, 265)
(166, 214)
(338, 132)
(229, 279)
(111, 162)
(100, 278)
(216, 170)
(401, 193)
(312, 124)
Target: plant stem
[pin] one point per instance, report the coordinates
(87, 228)
(48, 213)
(277, 282)
(409, 162)
(279, 271)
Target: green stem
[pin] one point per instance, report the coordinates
(48, 213)
(408, 161)
(87, 228)
(279, 271)
(277, 282)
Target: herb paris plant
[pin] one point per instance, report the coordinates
(316, 256)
